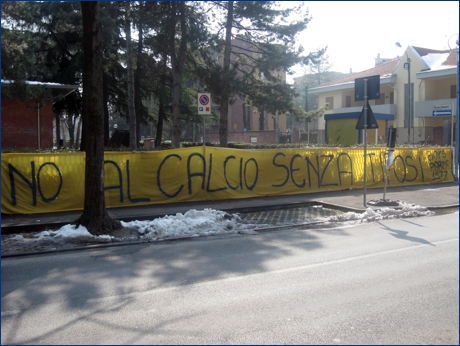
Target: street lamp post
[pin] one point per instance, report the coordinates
(409, 121)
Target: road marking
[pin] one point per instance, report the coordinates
(238, 278)
(9, 313)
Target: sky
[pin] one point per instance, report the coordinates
(357, 31)
(212, 222)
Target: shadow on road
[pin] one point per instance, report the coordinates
(404, 235)
(84, 280)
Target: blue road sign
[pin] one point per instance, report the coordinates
(442, 113)
(373, 88)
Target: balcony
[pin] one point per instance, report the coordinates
(382, 109)
(426, 108)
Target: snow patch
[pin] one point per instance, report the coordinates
(405, 210)
(192, 223)
(209, 222)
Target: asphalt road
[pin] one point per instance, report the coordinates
(385, 282)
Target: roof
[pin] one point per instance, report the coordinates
(383, 70)
(435, 60)
(59, 90)
(6, 82)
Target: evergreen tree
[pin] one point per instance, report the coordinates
(41, 41)
(259, 44)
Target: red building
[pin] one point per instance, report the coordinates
(28, 124)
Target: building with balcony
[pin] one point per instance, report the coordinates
(427, 115)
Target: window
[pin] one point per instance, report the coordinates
(408, 118)
(261, 121)
(453, 91)
(381, 100)
(392, 98)
(248, 117)
(330, 102)
(348, 101)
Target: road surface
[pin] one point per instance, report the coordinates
(385, 282)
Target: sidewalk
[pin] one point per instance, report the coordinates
(434, 196)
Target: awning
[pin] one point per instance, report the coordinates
(59, 91)
(351, 115)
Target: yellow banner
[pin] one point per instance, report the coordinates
(44, 183)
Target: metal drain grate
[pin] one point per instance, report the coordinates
(290, 216)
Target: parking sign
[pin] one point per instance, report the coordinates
(204, 103)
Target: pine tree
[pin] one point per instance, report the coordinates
(41, 41)
(259, 43)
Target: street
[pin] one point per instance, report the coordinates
(384, 282)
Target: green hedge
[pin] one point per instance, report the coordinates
(165, 146)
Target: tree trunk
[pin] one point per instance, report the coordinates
(161, 108)
(77, 139)
(63, 130)
(84, 125)
(244, 116)
(94, 217)
(58, 130)
(161, 116)
(223, 125)
(71, 138)
(106, 110)
(249, 116)
(71, 130)
(137, 82)
(130, 75)
(177, 64)
(176, 123)
(83, 132)
(306, 110)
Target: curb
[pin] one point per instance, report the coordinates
(140, 242)
(28, 228)
(162, 240)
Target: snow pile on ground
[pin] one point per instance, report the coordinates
(195, 223)
(72, 233)
(405, 210)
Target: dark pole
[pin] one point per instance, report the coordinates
(457, 154)
(365, 140)
(410, 100)
(455, 148)
(409, 118)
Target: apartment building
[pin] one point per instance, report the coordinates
(428, 115)
(246, 122)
